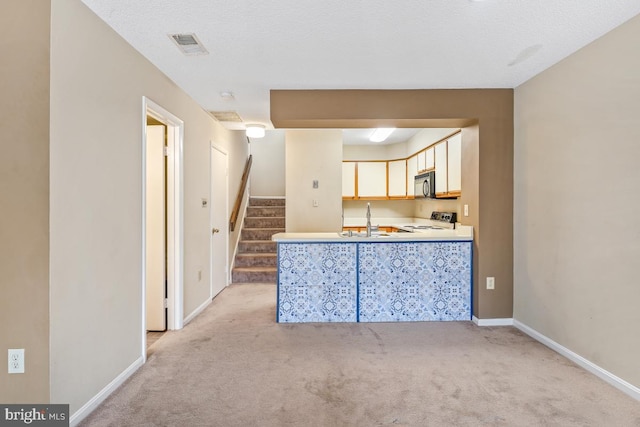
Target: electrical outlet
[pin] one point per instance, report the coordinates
(491, 282)
(315, 203)
(16, 360)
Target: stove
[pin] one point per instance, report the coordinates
(438, 221)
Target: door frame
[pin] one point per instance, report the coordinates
(175, 214)
(216, 147)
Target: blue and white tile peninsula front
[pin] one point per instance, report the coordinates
(374, 281)
(416, 281)
(317, 282)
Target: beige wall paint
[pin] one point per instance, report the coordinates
(313, 154)
(577, 179)
(268, 166)
(97, 85)
(24, 198)
(490, 199)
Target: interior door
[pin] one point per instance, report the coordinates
(219, 220)
(156, 317)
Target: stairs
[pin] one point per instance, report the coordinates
(256, 256)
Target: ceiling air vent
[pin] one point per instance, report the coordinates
(226, 116)
(188, 44)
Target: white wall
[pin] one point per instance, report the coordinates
(268, 166)
(313, 154)
(97, 85)
(576, 204)
(375, 152)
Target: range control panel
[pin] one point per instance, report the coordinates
(449, 217)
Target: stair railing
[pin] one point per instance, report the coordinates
(243, 187)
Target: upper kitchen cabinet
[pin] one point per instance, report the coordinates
(412, 171)
(372, 180)
(349, 180)
(454, 165)
(429, 158)
(441, 168)
(425, 159)
(421, 157)
(397, 179)
(448, 165)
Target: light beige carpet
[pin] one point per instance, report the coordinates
(234, 366)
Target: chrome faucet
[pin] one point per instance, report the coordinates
(368, 219)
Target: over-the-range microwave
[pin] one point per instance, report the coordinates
(425, 185)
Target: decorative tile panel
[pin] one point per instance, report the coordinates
(317, 282)
(414, 281)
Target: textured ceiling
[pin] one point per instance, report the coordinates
(255, 46)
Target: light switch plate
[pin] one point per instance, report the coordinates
(491, 282)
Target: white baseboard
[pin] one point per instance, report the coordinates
(601, 373)
(96, 400)
(197, 311)
(492, 322)
(268, 197)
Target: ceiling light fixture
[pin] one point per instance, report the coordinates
(227, 95)
(255, 131)
(380, 134)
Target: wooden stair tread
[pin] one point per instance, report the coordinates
(256, 257)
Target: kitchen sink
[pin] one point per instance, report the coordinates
(362, 234)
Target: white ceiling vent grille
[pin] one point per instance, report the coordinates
(189, 44)
(226, 116)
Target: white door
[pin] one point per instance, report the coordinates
(219, 220)
(155, 284)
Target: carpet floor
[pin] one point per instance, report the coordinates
(235, 366)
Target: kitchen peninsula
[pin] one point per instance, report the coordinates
(416, 274)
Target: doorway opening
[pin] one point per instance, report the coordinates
(162, 217)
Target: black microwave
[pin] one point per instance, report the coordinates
(425, 185)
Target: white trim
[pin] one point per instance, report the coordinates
(268, 197)
(601, 373)
(96, 400)
(175, 221)
(175, 214)
(197, 311)
(492, 322)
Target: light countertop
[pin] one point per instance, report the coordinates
(460, 233)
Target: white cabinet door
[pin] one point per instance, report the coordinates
(412, 171)
(441, 168)
(349, 179)
(422, 165)
(454, 165)
(429, 158)
(398, 178)
(372, 179)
